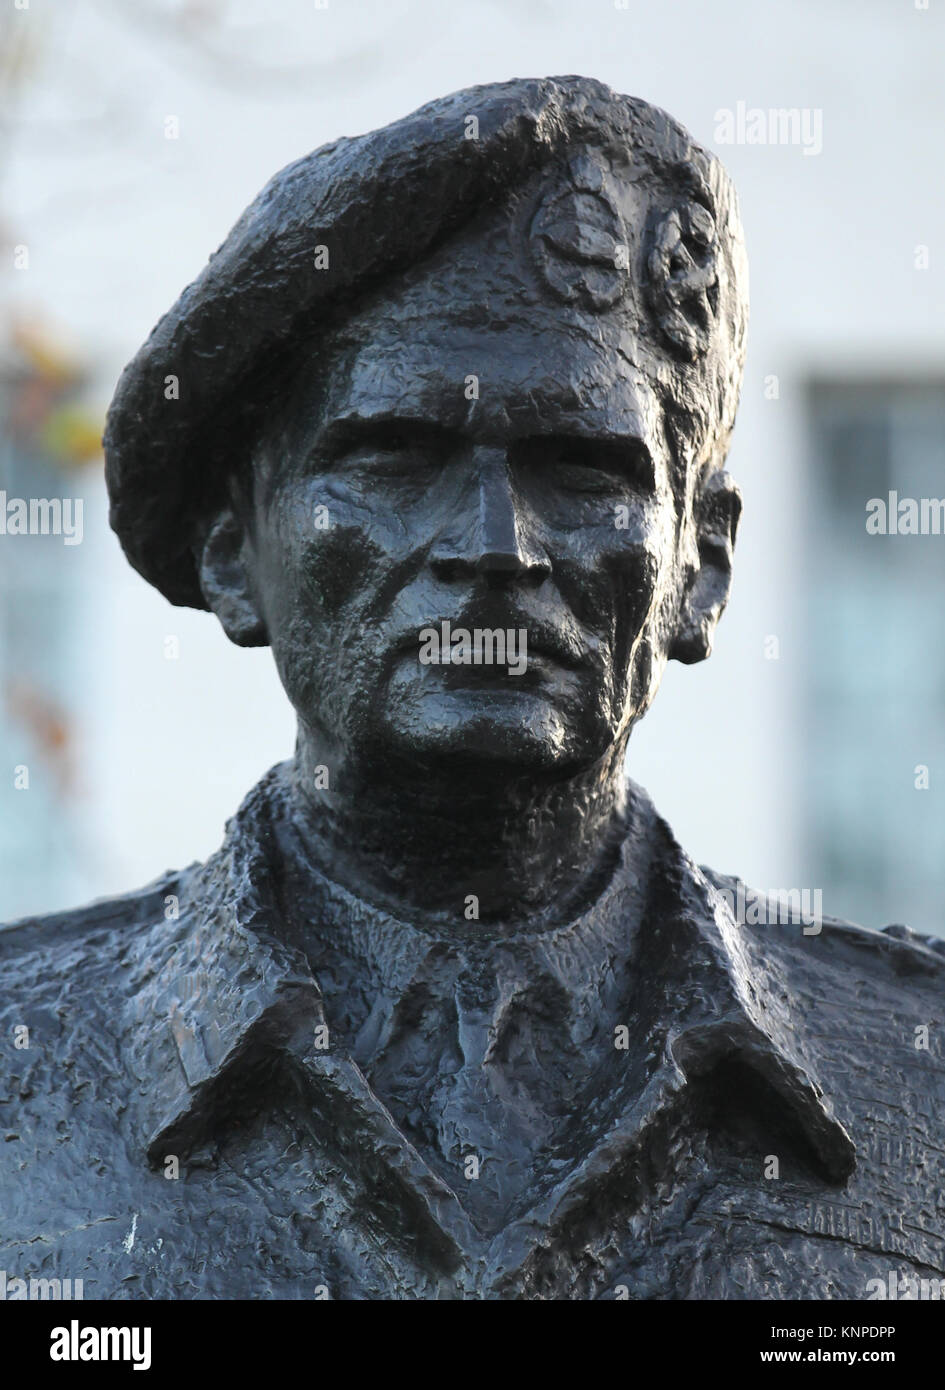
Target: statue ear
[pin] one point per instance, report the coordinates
(709, 582)
(225, 579)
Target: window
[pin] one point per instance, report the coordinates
(875, 773)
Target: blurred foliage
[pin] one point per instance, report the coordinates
(45, 409)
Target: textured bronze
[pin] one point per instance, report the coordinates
(451, 1014)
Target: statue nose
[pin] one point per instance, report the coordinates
(491, 536)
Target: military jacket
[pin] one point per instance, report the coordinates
(204, 1096)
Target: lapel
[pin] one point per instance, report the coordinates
(223, 1001)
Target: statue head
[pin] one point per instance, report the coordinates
(444, 423)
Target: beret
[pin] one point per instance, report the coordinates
(326, 228)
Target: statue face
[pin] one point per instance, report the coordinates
(394, 500)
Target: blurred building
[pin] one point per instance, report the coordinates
(46, 437)
(875, 722)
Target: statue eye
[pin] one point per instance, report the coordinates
(392, 453)
(585, 475)
(593, 467)
(393, 443)
(403, 456)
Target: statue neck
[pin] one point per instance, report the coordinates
(459, 844)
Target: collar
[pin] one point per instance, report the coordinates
(223, 998)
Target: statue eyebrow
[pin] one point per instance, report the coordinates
(628, 452)
(380, 428)
(603, 448)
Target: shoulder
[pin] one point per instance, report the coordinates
(110, 932)
(795, 928)
(63, 946)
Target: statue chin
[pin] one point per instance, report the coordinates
(523, 731)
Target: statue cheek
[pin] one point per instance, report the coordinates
(339, 567)
(626, 573)
(643, 560)
(330, 551)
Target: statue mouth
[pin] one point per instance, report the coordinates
(494, 649)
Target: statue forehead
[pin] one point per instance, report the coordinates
(440, 362)
(588, 245)
(543, 300)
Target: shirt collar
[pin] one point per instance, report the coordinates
(221, 997)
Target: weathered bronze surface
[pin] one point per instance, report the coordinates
(451, 1014)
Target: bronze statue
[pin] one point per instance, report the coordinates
(451, 1014)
